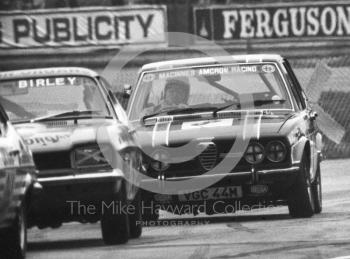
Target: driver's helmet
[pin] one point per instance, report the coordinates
(181, 86)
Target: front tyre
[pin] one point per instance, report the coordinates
(115, 224)
(317, 190)
(300, 199)
(14, 239)
(135, 219)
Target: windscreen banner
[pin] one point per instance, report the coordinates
(274, 22)
(83, 27)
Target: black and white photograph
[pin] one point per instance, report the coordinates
(192, 129)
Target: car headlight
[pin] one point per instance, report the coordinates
(255, 153)
(276, 151)
(90, 156)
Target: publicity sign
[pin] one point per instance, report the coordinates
(82, 27)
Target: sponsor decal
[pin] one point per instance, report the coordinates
(47, 82)
(47, 140)
(212, 70)
(177, 73)
(207, 124)
(83, 27)
(273, 21)
(148, 78)
(268, 68)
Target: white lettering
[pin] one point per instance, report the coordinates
(313, 26)
(60, 81)
(22, 84)
(230, 20)
(328, 21)
(281, 26)
(40, 82)
(298, 19)
(71, 80)
(343, 21)
(247, 29)
(262, 23)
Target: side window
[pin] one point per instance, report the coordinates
(121, 114)
(3, 122)
(295, 86)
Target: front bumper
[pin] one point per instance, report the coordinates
(278, 181)
(254, 175)
(66, 198)
(93, 177)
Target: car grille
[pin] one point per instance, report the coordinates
(208, 157)
(52, 160)
(211, 157)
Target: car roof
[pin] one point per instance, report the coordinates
(40, 72)
(182, 63)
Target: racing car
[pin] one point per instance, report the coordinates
(17, 184)
(221, 134)
(82, 146)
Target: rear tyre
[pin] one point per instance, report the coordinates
(14, 239)
(300, 199)
(135, 219)
(317, 191)
(115, 225)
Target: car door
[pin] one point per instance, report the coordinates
(7, 163)
(309, 116)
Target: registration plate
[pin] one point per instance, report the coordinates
(218, 193)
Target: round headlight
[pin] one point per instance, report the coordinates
(276, 151)
(255, 153)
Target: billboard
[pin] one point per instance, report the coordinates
(274, 21)
(83, 27)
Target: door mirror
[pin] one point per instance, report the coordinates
(313, 115)
(127, 90)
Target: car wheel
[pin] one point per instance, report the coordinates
(317, 191)
(135, 219)
(14, 238)
(300, 200)
(149, 214)
(115, 224)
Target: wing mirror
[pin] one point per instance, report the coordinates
(124, 96)
(127, 90)
(313, 115)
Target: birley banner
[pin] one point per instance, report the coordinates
(83, 27)
(274, 21)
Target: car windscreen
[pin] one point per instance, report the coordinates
(32, 98)
(213, 87)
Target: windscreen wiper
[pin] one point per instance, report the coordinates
(74, 113)
(191, 109)
(238, 106)
(179, 111)
(262, 102)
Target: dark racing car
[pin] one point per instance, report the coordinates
(17, 184)
(82, 147)
(224, 134)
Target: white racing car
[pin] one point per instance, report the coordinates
(82, 147)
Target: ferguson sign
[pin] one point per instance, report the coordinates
(82, 27)
(293, 20)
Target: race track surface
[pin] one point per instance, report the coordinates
(266, 233)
